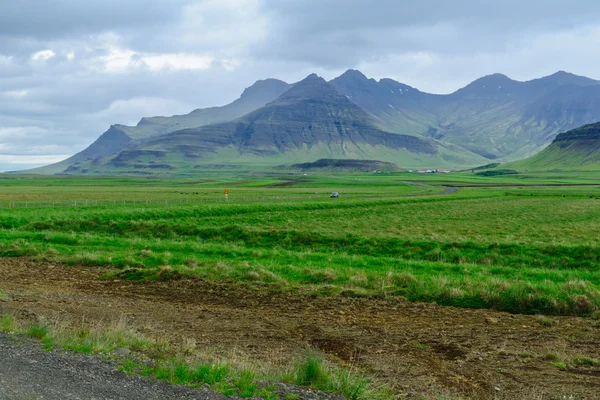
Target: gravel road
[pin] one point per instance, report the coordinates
(29, 373)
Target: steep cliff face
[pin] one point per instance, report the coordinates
(587, 133)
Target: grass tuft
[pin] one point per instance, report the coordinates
(37, 331)
(585, 361)
(560, 365)
(315, 372)
(8, 323)
(545, 321)
(312, 372)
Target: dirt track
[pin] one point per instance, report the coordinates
(416, 348)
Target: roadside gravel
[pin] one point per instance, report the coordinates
(29, 373)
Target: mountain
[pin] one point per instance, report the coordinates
(309, 121)
(494, 116)
(493, 119)
(120, 137)
(577, 149)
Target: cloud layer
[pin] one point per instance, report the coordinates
(69, 69)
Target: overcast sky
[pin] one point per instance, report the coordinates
(71, 68)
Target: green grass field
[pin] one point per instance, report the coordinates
(522, 249)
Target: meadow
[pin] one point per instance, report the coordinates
(494, 243)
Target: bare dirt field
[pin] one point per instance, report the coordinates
(416, 348)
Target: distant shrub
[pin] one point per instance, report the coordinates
(497, 172)
(487, 166)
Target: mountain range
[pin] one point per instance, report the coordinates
(495, 117)
(350, 117)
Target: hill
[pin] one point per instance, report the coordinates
(311, 120)
(577, 149)
(120, 137)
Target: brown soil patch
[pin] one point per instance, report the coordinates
(416, 348)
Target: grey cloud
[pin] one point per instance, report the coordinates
(338, 32)
(43, 19)
(332, 15)
(63, 103)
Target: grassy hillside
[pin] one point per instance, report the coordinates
(578, 149)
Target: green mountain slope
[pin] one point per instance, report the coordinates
(310, 121)
(120, 137)
(577, 149)
(494, 116)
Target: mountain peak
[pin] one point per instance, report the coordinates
(312, 87)
(564, 78)
(265, 87)
(562, 74)
(494, 84)
(311, 77)
(496, 77)
(353, 74)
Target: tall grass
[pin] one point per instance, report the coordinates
(477, 248)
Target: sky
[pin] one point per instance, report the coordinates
(71, 68)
